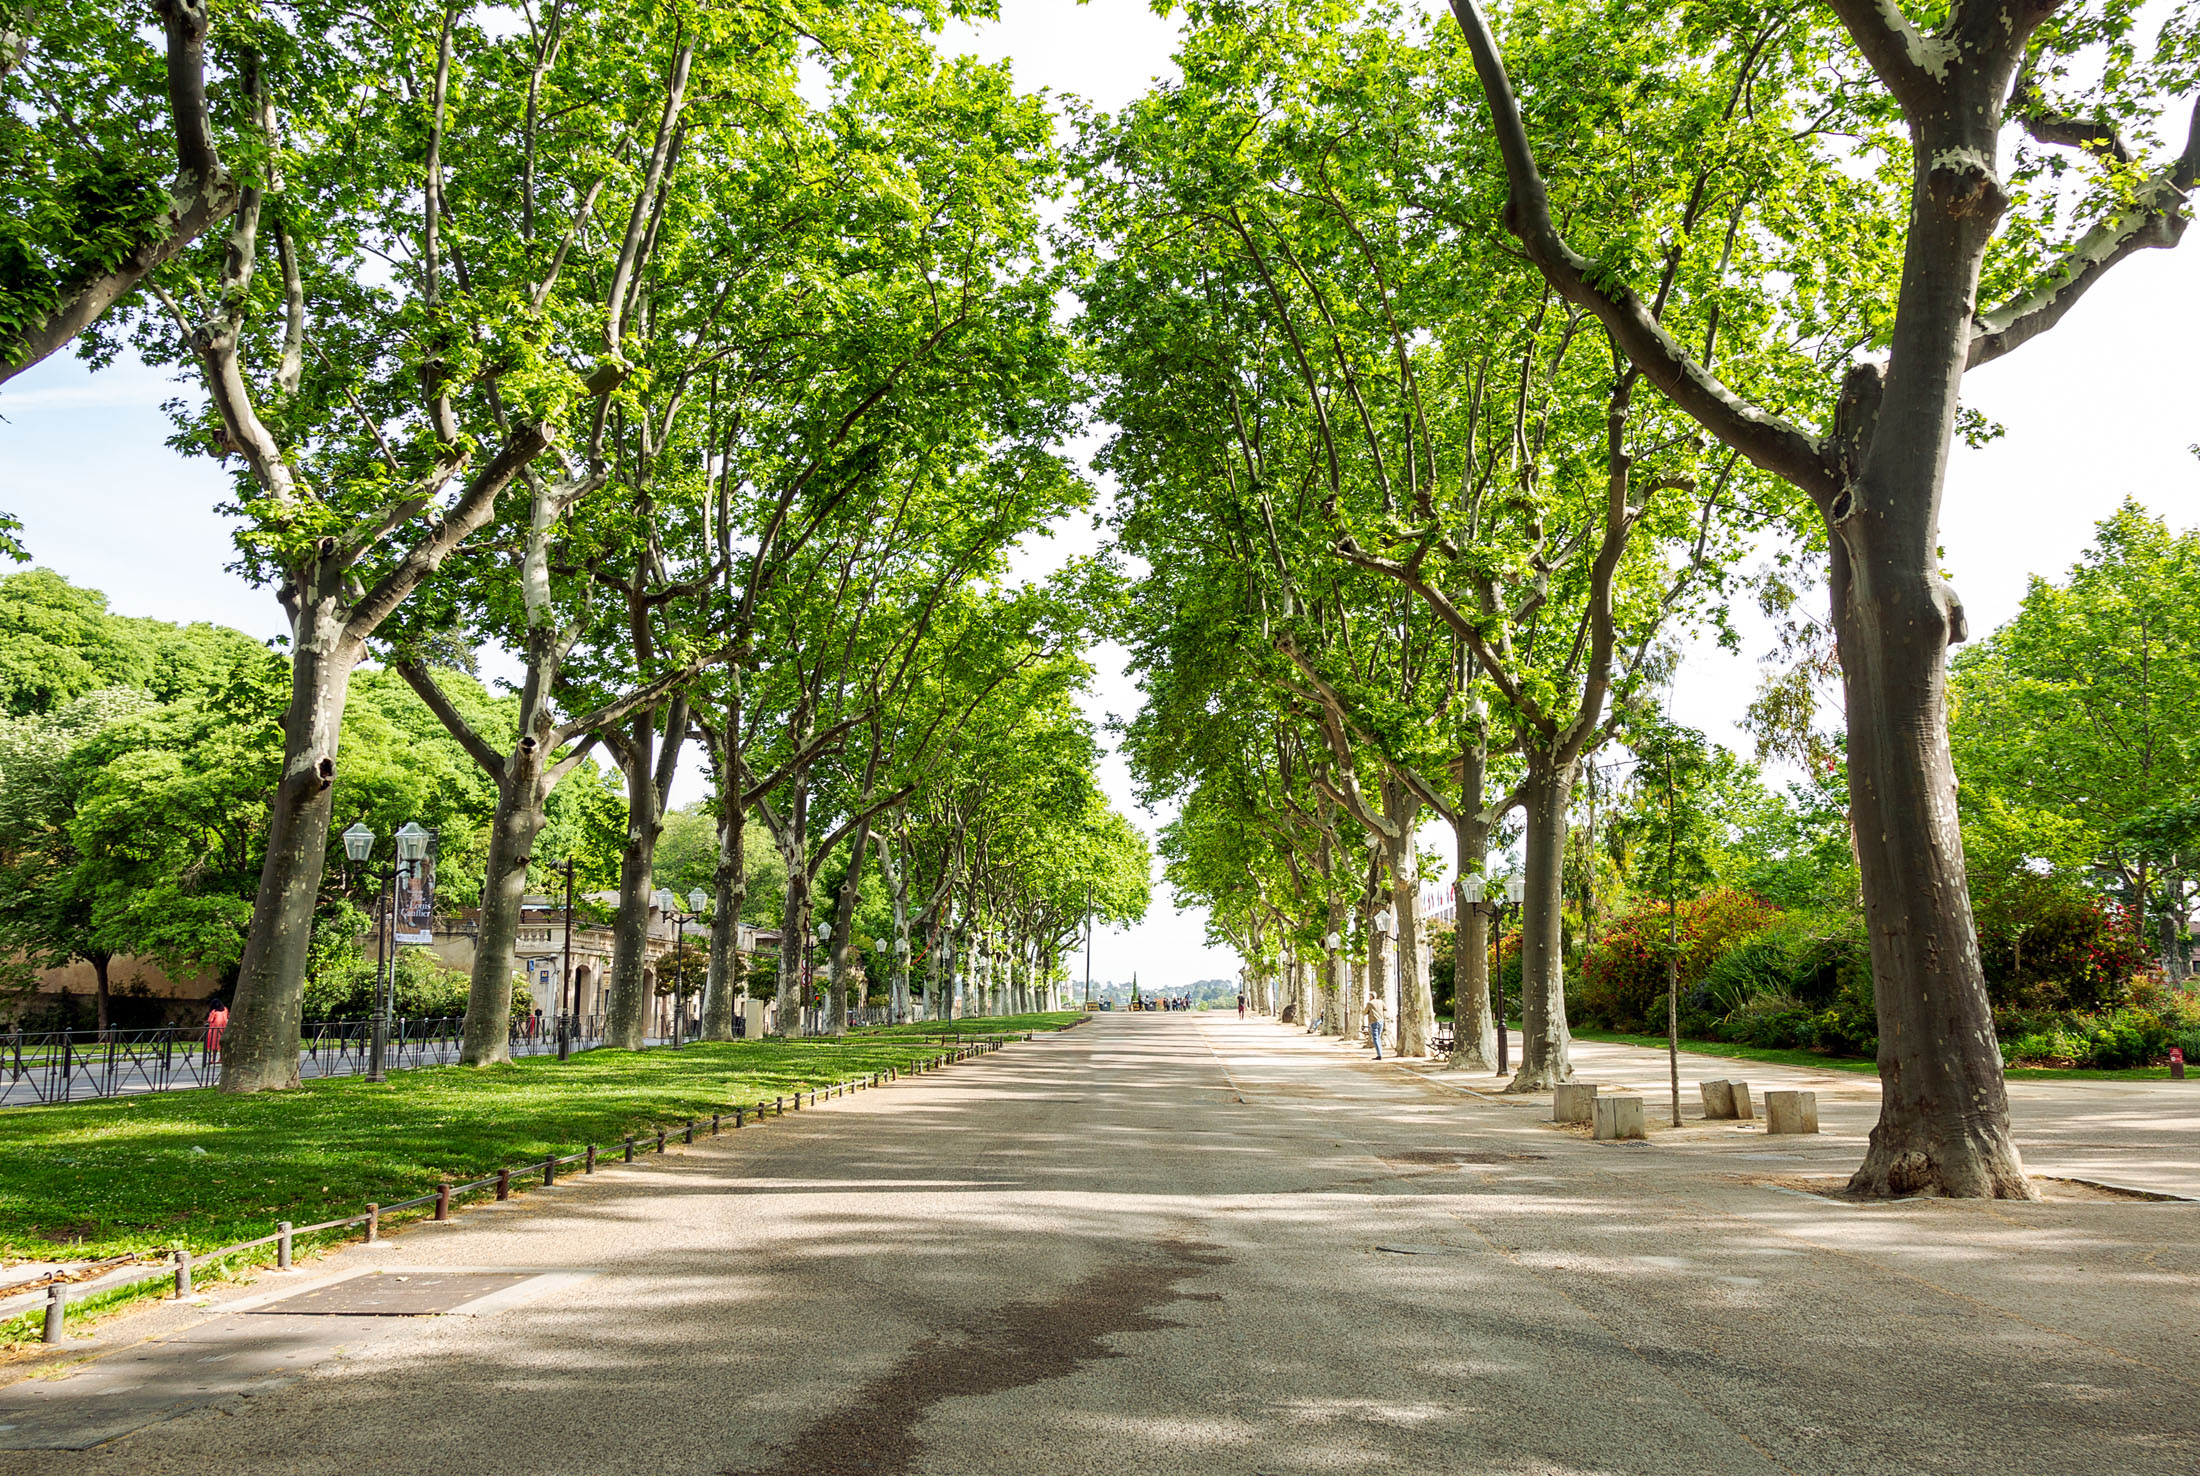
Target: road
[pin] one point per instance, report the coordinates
(1175, 1243)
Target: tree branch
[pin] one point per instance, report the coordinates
(2154, 218)
(474, 508)
(417, 677)
(1775, 445)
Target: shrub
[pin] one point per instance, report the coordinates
(2155, 1016)
(424, 989)
(1774, 1019)
(2048, 946)
(1623, 977)
(1850, 1025)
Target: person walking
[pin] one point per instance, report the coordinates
(1241, 1004)
(1377, 1007)
(217, 1020)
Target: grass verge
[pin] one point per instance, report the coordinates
(203, 1170)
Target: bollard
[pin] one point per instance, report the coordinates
(374, 1223)
(690, 1130)
(629, 1147)
(443, 1201)
(1791, 1112)
(782, 1105)
(549, 1170)
(2176, 1063)
(737, 1117)
(714, 1124)
(1574, 1101)
(1718, 1099)
(660, 1140)
(1618, 1116)
(504, 1183)
(282, 1246)
(591, 1168)
(57, 1310)
(183, 1272)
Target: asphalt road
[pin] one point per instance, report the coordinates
(1177, 1244)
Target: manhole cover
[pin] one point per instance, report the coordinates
(397, 1294)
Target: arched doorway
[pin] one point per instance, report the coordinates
(584, 992)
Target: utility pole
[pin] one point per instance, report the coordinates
(1088, 943)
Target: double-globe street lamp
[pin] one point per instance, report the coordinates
(1498, 895)
(668, 903)
(412, 848)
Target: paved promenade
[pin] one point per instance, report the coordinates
(1175, 1243)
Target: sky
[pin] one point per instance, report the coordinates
(2106, 407)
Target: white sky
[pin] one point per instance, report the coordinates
(2107, 406)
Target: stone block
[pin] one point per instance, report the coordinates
(1574, 1101)
(1791, 1112)
(1726, 1101)
(1620, 1116)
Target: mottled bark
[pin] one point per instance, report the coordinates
(1544, 1041)
(647, 760)
(1474, 1024)
(260, 1048)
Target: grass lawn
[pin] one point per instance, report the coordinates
(1813, 1060)
(204, 1170)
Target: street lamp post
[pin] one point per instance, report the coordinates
(569, 1023)
(411, 846)
(819, 1013)
(1514, 888)
(668, 904)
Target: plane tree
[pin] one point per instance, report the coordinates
(1909, 254)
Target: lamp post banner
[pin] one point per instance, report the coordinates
(416, 897)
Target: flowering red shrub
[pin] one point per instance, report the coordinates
(2046, 945)
(1623, 977)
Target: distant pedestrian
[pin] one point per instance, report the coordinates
(217, 1021)
(1375, 1009)
(1241, 1006)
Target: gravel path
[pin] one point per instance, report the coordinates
(1177, 1243)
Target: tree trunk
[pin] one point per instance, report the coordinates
(794, 918)
(626, 1009)
(725, 987)
(1544, 1062)
(260, 1047)
(1944, 1110)
(1364, 969)
(512, 832)
(1474, 1026)
(844, 913)
(1416, 1007)
(99, 962)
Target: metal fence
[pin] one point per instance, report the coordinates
(47, 1066)
(73, 1065)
